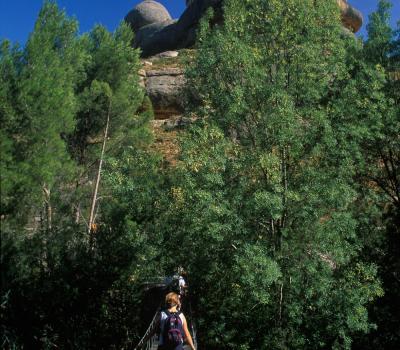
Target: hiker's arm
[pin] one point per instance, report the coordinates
(187, 334)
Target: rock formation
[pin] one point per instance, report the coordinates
(351, 18)
(167, 34)
(157, 32)
(159, 36)
(164, 87)
(163, 78)
(147, 12)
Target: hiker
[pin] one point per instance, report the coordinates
(177, 283)
(182, 283)
(173, 326)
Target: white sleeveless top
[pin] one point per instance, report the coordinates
(163, 317)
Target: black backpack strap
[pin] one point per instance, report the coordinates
(169, 313)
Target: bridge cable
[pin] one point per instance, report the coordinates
(149, 340)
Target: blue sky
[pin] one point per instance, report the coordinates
(17, 17)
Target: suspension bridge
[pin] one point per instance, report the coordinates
(150, 338)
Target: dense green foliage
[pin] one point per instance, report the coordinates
(58, 290)
(283, 206)
(39, 84)
(274, 190)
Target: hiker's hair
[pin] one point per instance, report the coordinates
(172, 299)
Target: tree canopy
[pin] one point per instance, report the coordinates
(282, 206)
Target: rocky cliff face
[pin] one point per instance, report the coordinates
(164, 89)
(163, 78)
(162, 75)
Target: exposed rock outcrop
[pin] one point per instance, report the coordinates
(164, 87)
(145, 13)
(351, 18)
(162, 74)
(157, 32)
(144, 37)
(163, 78)
(168, 35)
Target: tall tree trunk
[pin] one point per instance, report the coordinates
(96, 188)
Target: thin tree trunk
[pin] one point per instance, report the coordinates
(280, 305)
(93, 206)
(48, 207)
(285, 184)
(78, 213)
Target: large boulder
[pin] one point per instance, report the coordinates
(167, 35)
(145, 13)
(157, 33)
(144, 36)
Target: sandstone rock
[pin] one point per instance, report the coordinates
(166, 54)
(145, 13)
(164, 91)
(164, 87)
(351, 18)
(173, 71)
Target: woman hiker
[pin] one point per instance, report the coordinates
(173, 326)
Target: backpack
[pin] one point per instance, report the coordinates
(173, 329)
(174, 285)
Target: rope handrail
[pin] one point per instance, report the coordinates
(147, 340)
(192, 326)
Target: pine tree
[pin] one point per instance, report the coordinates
(9, 59)
(113, 66)
(38, 86)
(44, 104)
(378, 46)
(60, 92)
